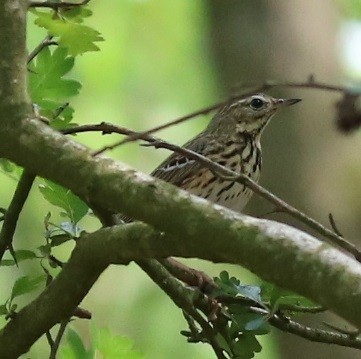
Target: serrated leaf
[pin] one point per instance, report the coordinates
(246, 346)
(77, 38)
(76, 13)
(25, 285)
(46, 82)
(59, 196)
(114, 346)
(225, 285)
(60, 114)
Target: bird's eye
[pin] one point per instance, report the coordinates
(256, 103)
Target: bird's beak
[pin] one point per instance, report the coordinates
(287, 102)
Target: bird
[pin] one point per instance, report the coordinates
(231, 139)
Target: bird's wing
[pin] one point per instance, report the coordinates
(177, 168)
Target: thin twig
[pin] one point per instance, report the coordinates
(189, 276)
(350, 332)
(301, 308)
(56, 343)
(255, 88)
(229, 175)
(194, 333)
(49, 339)
(47, 41)
(226, 299)
(56, 5)
(13, 212)
(313, 334)
(138, 135)
(333, 224)
(309, 84)
(309, 333)
(55, 260)
(182, 297)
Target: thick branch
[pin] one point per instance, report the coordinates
(313, 269)
(67, 290)
(13, 84)
(190, 224)
(226, 173)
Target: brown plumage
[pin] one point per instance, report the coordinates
(231, 139)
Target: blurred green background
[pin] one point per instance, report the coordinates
(163, 59)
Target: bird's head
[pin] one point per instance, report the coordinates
(250, 114)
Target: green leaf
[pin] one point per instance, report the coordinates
(6, 165)
(59, 239)
(23, 254)
(251, 292)
(45, 250)
(60, 114)
(77, 38)
(114, 346)
(59, 196)
(77, 13)
(278, 296)
(7, 262)
(255, 324)
(231, 286)
(74, 347)
(246, 321)
(223, 343)
(226, 285)
(25, 285)
(46, 82)
(3, 309)
(20, 255)
(247, 346)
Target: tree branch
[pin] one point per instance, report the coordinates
(14, 100)
(314, 335)
(228, 174)
(47, 41)
(57, 5)
(114, 186)
(261, 245)
(13, 212)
